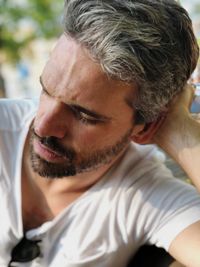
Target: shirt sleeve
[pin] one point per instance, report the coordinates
(169, 207)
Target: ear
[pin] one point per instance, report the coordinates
(145, 133)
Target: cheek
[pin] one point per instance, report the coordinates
(92, 139)
(86, 138)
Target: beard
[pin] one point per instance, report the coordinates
(73, 163)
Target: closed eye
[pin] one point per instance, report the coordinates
(85, 118)
(88, 116)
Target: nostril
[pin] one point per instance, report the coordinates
(53, 120)
(36, 132)
(40, 129)
(44, 128)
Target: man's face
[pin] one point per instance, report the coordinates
(83, 121)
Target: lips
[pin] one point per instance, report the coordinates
(45, 152)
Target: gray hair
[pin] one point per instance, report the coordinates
(147, 42)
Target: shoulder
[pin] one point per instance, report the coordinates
(154, 202)
(146, 173)
(15, 113)
(142, 162)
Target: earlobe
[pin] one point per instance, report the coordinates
(144, 136)
(147, 132)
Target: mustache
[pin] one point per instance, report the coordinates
(53, 143)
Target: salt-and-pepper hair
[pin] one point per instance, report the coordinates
(147, 42)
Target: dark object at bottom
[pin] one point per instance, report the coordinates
(151, 256)
(26, 250)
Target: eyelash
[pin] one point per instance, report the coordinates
(78, 114)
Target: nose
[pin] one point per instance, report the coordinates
(52, 119)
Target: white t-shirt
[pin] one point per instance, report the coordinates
(136, 202)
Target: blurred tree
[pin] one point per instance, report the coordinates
(196, 8)
(25, 20)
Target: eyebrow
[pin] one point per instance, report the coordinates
(79, 108)
(90, 112)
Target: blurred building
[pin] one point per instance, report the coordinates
(28, 30)
(22, 79)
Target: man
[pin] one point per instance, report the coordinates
(75, 189)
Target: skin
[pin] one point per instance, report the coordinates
(179, 136)
(70, 79)
(176, 264)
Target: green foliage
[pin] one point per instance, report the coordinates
(196, 9)
(43, 17)
(22, 23)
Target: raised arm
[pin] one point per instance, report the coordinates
(179, 136)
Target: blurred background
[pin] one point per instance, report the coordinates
(28, 32)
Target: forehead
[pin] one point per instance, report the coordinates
(72, 75)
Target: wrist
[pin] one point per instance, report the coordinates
(180, 137)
